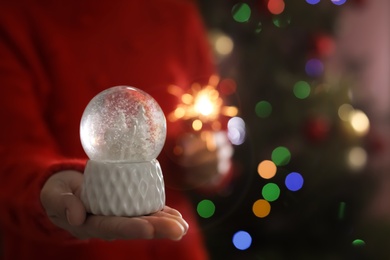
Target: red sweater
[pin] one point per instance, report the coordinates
(54, 57)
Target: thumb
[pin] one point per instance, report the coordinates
(60, 200)
(75, 212)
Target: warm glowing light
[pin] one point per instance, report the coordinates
(197, 125)
(261, 208)
(187, 99)
(179, 112)
(266, 169)
(229, 111)
(359, 122)
(201, 105)
(345, 111)
(357, 158)
(223, 45)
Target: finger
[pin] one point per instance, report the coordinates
(75, 211)
(166, 227)
(171, 211)
(111, 227)
(59, 201)
(182, 222)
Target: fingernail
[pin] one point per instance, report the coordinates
(67, 217)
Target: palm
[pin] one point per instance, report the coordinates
(61, 200)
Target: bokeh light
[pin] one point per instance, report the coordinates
(266, 169)
(206, 208)
(312, 2)
(357, 158)
(359, 122)
(342, 210)
(281, 21)
(294, 181)
(281, 156)
(197, 124)
(261, 208)
(345, 111)
(227, 86)
(259, 27)
(301, 89)
(275, 6)
(242, 240)
(271, 191)
(223, 44)
(339, 2)
(263, 109)
(314, 67)
(236, 130)
(358, 242)
(241, 12)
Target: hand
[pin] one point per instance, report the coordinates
(60, 196)
(205, 158)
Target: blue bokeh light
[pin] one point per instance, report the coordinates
(312, 2)
(242, 240)
(314, 67)
(339, 2)
(294, 181)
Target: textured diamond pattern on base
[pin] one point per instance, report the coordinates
(123, 189)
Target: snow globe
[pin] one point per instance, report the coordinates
(122, 131)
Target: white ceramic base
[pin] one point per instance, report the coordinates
(123, 189)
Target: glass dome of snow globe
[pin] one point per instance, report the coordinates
(123, 124)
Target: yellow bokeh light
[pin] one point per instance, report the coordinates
(223, 45)
(230, 111)
(204, 105)
(179, 112)
(261, 208)
(357, 158)
(266, 169)
(345, 111)
(359, 122)
(187, 98)
(197, 125)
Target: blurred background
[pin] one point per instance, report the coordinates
(310, 79)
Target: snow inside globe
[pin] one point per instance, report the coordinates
(123, 130)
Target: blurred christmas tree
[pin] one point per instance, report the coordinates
(300, 118)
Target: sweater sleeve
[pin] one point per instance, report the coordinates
(29, 154)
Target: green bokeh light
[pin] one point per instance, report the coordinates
(301, 89)
(358, 242)
(271, 191)
(206, 208)
(241, 12)
(259, 27)
(263, 109)
(281, 156)
(281, 21)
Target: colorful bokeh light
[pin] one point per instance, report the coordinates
(294, 181)
(281, 21)
(242, 240)
(241, 12)
(358, 242)
(275, 6)
(263, 109)
(236, 130)
(261, 208)
(301, 89)
(266, 169)
(281, 156)
(339, 2)
(312, 2)
(270, 192)
(314, 67)
(206, 208)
